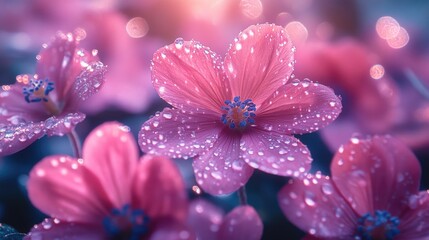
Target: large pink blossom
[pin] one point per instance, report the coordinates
(109, 192)
(209, 222)
(238, 114)
(48, 102)
(373, 194)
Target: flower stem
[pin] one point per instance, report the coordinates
(75, 142)
(242, 196)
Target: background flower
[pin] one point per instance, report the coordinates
(48, 102)
(108, 193)
(374, 193)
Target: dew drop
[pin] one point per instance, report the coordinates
(155, 124)
(237, 165)
(327, 189)
(309, 199)
(46, 224)
(178, 43)
(217, 175)
(167, 115)
(332, 104)
(290, 158)
(295, 82)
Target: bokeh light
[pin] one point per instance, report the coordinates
(251, 8)
(137, 27)
(376, 71)
(400, 40)
(297, 31)
(387, 27)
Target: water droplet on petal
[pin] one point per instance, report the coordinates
(216, 175)
(309, 199)
(178, 43)
(327, 189)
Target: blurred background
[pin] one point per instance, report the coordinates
(374, 53)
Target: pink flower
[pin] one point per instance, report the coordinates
(108, 193)
(209, 222)
(346, 65)
(239, 114)
(373, 194)
(48, 102)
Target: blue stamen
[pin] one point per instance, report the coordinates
(381, 225)
(37, 90)
(126, 223)
(238, 114)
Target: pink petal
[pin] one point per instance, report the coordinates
(56, 229)
(172, 230)
(63, 124)
(376, 174)
(315, 206)
(58, 62)
(158, 188)
(111, 154)
(299, 107)
(275, 153)
(60, 187)
(73, 70)
(221, 170)
(87, 83)
(259, 62)
(415, 222)
(205, 219)
(177, 134)
(14, 138)
(190, 77)
(242, 223)
(14, 108)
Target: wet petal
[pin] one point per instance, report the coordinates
(205, 219)
(13, 106)
(314, 205)
(243, 223)
(52, 228)
(275, 153)
(190, 77)
(415, 222)
(374, 174)
(159, 188)
(171, 230)
(259, 62)
(63, 124)
(177, 134)
(60, 187)
(221, 170)
(61, 61)
(87, 83)
(299, 107)
(14, 138)
(110, 153)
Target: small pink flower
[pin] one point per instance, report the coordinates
(209, 222)
(373, 194)
(48, 102)
(109, 192)
(239, 114)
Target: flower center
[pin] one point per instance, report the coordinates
(380, 226)
(238, 114)
(126, 223)
(38, 91)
